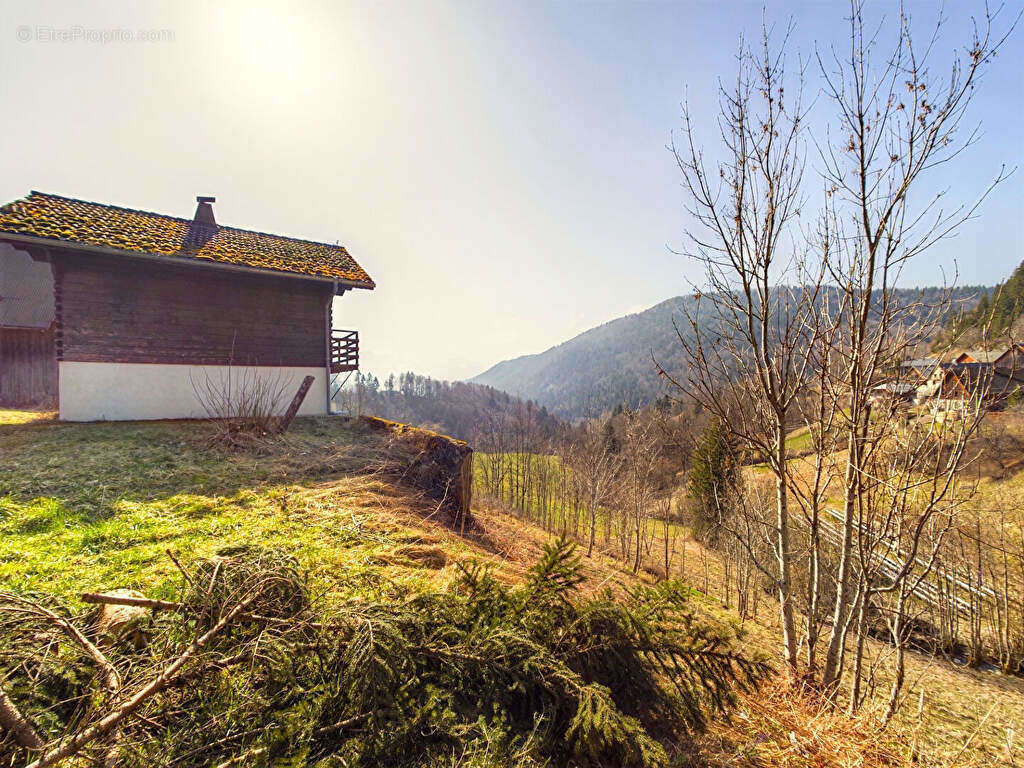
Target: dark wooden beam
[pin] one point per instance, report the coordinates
(286, 420)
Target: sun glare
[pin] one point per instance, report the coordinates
(270, 54)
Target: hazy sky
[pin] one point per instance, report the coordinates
(499, 168)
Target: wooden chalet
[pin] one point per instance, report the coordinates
(924, 374)
(967, 386)
(892, 393)
(918, 371)
(113, 313)
(1012, 360)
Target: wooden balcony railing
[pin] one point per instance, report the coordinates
(344, 351)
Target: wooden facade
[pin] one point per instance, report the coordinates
(138, 311)
(28, 363)
(28, 368)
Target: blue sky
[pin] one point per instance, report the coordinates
(499, 168)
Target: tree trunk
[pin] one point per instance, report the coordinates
(898, 679)
(840, 615)
(593, 526)
(783, 553)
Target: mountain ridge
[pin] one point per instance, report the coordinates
(611, 363)
(626, 344)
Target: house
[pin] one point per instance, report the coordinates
(983, 356)
(918, 371)
(893, 393)
(969, 386)
(1012, 360)
(924, 374)
(114, 313)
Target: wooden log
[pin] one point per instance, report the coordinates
(99, 598)
(117, 621)
(106, 598)
(286, 420)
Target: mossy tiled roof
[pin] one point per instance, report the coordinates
(65, 219)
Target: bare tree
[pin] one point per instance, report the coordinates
(595, 467)
(754, 333)
(641, 450)
(812, 488)
(240, 400)
(895, 123)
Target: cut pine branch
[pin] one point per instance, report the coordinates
(112, 679)
(73, 745)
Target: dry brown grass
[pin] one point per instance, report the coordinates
(953, 716)
(779, 726)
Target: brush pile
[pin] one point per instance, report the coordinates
(247, 667)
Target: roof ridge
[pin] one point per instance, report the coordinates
(184, 220)
(105, 205)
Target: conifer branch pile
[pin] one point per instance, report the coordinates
(248, 667)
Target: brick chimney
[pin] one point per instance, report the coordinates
(204, 211)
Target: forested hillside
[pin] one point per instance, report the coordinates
(602, 367)
(456, 408)
(613, 363)
(995, 314)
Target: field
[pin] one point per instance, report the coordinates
(557, 513)
(88, 507)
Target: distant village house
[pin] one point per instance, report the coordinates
(985, 379)
(113, 313)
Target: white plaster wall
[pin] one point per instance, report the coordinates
(130, 391)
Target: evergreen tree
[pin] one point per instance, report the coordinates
(714, 478)
(982, 311)
(609, 438)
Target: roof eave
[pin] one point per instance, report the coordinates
(49, 242)
(344, 285)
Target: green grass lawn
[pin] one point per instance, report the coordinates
(800, 441)
(87, 507)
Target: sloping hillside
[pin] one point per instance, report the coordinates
(996, 314)
(600, 368)
(91, 507)
(612, 363)
(304, 604)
